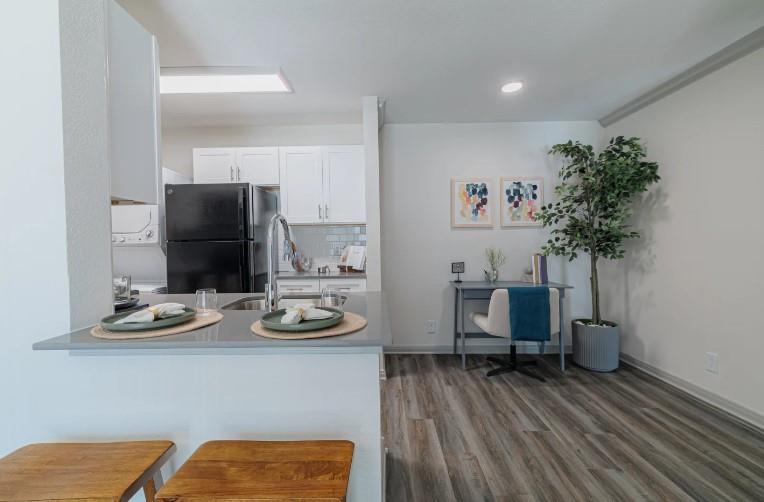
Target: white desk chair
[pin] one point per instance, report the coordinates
(496, 323)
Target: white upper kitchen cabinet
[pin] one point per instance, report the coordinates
(318, 184)
(301, 184)
(256, 165)
(259, 166)
(214, 165)
(134, 126)
(323, 184)
(344, 184)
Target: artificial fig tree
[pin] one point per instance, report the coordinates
(594, 203)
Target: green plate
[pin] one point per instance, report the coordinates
(108, 322)
(272, 320)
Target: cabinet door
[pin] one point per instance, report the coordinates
(344, 285)
(259, 166)
(301, 182)
(344, 184)
(214, 165)
(133, 76)
(297, 286)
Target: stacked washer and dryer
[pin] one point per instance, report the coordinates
(138, 240)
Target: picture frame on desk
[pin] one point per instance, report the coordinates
(457, 268)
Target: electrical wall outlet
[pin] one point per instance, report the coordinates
(712, 362)
(432, 326)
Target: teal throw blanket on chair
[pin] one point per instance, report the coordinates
(529, 313)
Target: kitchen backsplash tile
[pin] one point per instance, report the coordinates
(328, 241)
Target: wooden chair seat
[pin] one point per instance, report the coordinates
(83, 472)
(263, 471)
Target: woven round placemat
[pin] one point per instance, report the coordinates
(350, 324)
(195, 323)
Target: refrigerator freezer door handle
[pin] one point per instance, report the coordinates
(242, 274)
(242, 206)
(251, 269)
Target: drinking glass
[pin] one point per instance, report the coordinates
(121, 288)
(206, 301)
(331, 298)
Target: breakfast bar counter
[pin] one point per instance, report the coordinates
(233, 331)
(225, 382)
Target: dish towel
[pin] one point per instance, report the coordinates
(304, 311)
(529, 313)
(158, 311)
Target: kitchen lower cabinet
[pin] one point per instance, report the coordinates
(298, 286)
(294, 286)
(348, 285)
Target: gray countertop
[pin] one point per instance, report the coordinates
(313, 274)
(233, 331)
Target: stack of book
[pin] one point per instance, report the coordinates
(538, 264)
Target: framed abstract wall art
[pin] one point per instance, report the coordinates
(520, 199)
(472, 202)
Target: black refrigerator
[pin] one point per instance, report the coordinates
(216, 237)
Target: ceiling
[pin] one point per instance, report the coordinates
(437, 60)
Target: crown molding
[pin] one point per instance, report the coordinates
(736, 50)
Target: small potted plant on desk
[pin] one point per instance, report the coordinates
(495, 259)
(591, 216)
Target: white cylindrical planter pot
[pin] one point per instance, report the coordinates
(596, 348)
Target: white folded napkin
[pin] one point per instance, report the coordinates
(158, 311)
(304, 311)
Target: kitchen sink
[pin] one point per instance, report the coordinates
(257, 302)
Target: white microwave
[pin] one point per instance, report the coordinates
(135, 225)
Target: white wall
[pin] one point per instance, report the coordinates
(177, 142)
(53, 265)
(86, 158)
(418, 243)
(31, 183)
(693, 284)
(371, 164)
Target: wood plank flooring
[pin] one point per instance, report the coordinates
(456, 435)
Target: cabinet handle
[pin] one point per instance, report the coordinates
(231, 168)
(326, 211)
(238, 173)
(294, 289)
(319, 212)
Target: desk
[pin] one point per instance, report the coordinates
(482, 290)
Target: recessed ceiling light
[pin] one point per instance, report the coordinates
(210, 80)
(511, 87)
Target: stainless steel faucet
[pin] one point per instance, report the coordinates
(271, 290)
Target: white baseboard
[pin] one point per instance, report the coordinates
(738, 411)
(472, 349)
